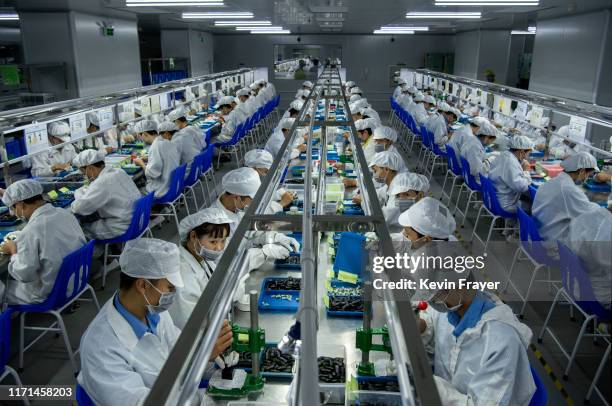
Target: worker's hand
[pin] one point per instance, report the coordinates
(526, 166)
(139, 162)
(421, 323)
(602, 177)
(9, 248)
(287, 199)
(302, 147)
(224, 340)
(128, 138)
(59, 167)
(275, 251)
(346, 135)
(349, 182)
(109, 149)
(357, 199)
(540, 147)
(339, 165)
(305, 137)
(288, 242)
(2, 192)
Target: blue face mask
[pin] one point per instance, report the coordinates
(379, 148)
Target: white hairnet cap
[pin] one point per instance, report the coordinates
(350, 83)
(430, 99)
(296, 104)
(358, 105)
(520, 142)
(225, 100)
(487, 128)
(241, 182)
(92, 118)
(367, 111)
(20, 191)
(478, 121)
(167, 126)
(401, 81)
(147, 126)
(60, 129)
(354, 98)
(387, 159)
(444, 107)
(356, 90)
(455, 111)
(286, 123)
(176, 114)
(412, 89)
(419, 97)
(254, 86)
(407, 181)
(243, 92)
(364, 123)
(385, 133)
(258, 158)
(307, 83)
(151, 258)
(580, 160)
(429, 217)
(88, 157)
(211, 215)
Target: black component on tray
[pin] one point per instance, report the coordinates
(295, 181)
(346, 303)
(379, 386)
(74, 177)
(291, 260)
(284, 284)
(8, 217)
(331, 370)
(276, 361)
(244, 360)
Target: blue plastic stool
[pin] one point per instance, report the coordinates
(5, 348)
(540, 396)
(82, 398)
(174, 195)
(194, 177)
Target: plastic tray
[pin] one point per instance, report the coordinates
(267, 303)
(537, 154)
(342, 313)
(282, 264)
(9, 223)
(353, 209)
(62, 202)
(272, 375)
(298, 170)
(131, 170)
(4, 233)
(597, 187)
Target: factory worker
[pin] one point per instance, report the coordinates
(129, 340)
(276, 140)
(590, 237)
(271, 87)
(561, 199)
(437, 124)
(365, 128)
(401, 82)
(352, 98)
(54, 160)
(406, 100)
(126, 129)
(356, 90)
(50, 234)
(105, 142)
(239, 113)
(239, 187)
(368, 112)
(404, 191)
(356, 106)
(111, 195)
(479, 346)
(426, 220)
(203, 240)
(293, 110)
(162, 159)
(461, 135)
(258, 99)
(419, 112)
(473, 150)
(510, 172)
(183, 142)
(385, 167)
(305, 90)
(246, 104)
(179, 117)
(567, 143)
(264, 90)
(384, 139)
(230, 119)
(261, 160)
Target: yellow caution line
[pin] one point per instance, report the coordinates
(551, 374)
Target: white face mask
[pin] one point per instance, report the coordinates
(208, 254)
(442, 307)
(379, 148)
(165, 301)
(243, 209)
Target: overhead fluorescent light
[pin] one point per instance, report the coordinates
(9, 17)
(272, 32)
(220, 14)
(488, 3)
(238, 23)
(531, 29)
(173, 3)
(443, 14)
(400, 32)
(270, 28)
(403, 28)
(521, 32)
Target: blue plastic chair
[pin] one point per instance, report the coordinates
(5, 348)
(194, 177)
(577, 290)
(82, 398)
(207, 175)
(492, 208)
(70, 284)
(532, 248)
(347, 258)
(437, 154)
(472, 186)
(532, 192)
(174, 195)
(138, 226)
(230, 147)
(540, 397)
(454, 171)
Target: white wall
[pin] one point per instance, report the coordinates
(201, 53)
(466, 54)
(105, 64)
(493, 54)
(568, 54)
(366, 57)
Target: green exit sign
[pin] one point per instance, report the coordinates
(108, 31)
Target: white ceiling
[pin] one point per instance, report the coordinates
(305, 16)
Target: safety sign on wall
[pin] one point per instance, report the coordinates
(78, 126)
(36, 138)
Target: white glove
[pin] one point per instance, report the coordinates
(227, 360)
(288, 242)
(294, 153)
(255, 258)
(279, 194)
(275, 251)
(385, 367)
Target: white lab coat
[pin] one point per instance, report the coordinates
(437, 125)
(406, 102)
(118, 368)
(242, 113)
(187, 147)
(112, 195)
(420, 114)
(276, 140)
(42, 163)
(557, 202)
(397, 92)
(487, 364)
(561, 150)
(163, 158)
(510, 180)
(195, 133)
(369, 149)
(474, 152)
(390, 212)
(460, 137)
(374, 115)
(229, 127)
(51, 234)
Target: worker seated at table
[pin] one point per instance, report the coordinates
(179, 117)
(306, 88)
(385, 166)
(246, 103)
(261, 160)
(184, 142)
(384, 139)
(509, 173)
(406, 98)
(229, 119)
(367, 112)
(365, 130)
(129, 340)
(567, 143)
(473, 149)
(419, 111)
(241, 115)
(126, 129)
(293, 110)
(462, 134)
(111, 194)
(561, 199)
(50, 234)
(258, 98)
(105, 142)
(437, 124)
(161, 160)
(282, 131)
(401, 85)
(356, 107)
(54, 160)
(405, 190)
(590, 237)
